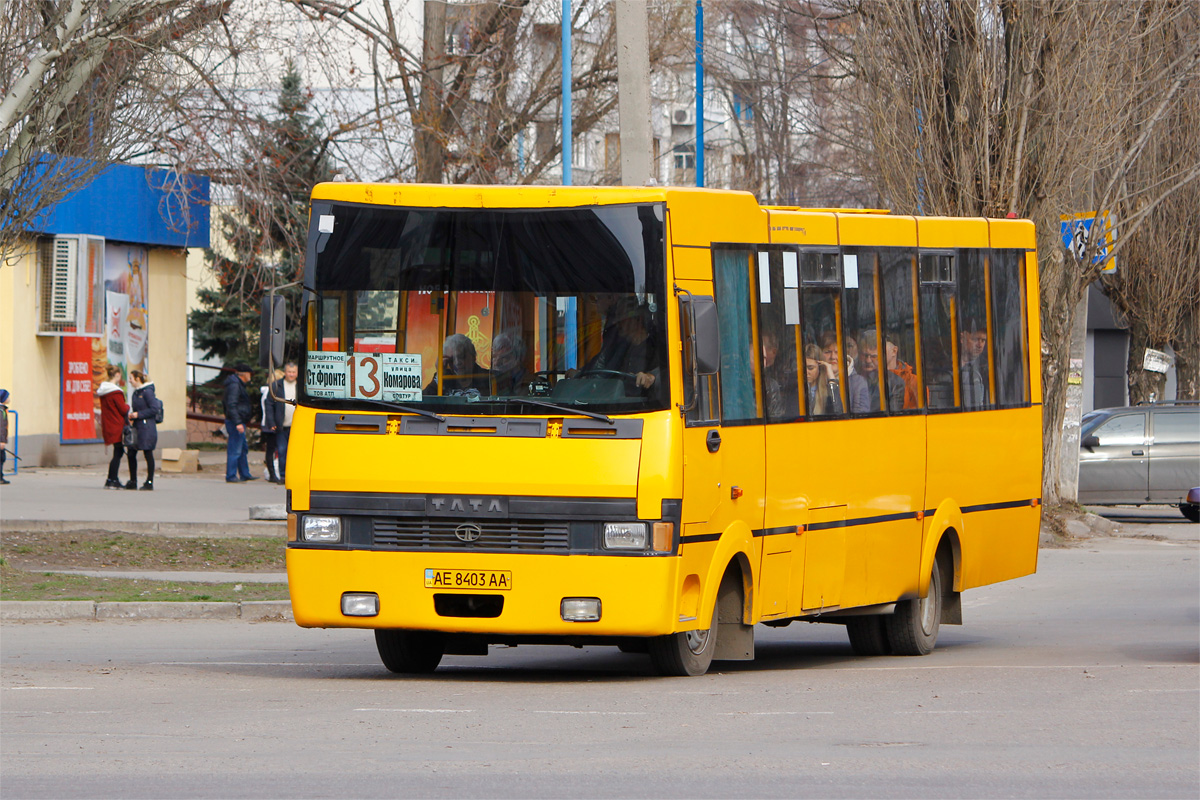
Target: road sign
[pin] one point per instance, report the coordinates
(1077, 234)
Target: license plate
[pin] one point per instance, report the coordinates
(485, 579)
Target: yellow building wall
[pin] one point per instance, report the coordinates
(31, 365)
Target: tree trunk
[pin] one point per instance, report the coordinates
(1187, 358)
(429, 150)
(1145, 386)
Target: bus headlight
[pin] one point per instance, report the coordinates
(625, 536)
(580, 609)
(322, 529)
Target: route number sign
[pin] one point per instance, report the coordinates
(394, 377)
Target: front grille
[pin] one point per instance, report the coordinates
(405, 533)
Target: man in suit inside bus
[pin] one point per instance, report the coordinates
(972, 354)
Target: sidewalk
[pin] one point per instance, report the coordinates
(188, 504)
(199, 504)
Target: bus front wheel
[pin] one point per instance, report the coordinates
(409, 651)
(913, 629)
(688, 653)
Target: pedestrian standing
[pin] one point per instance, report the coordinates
(239, 410)
(268, 429)
(281, 410)
(3, 432)
(144, 410)
(113, 414)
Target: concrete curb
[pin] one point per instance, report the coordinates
(252, 611)
(213, 530)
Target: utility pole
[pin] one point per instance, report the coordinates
(700, 93)
(633, 93)
(566, 92)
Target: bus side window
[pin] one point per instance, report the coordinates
(704, 410)
(741, 400)
(820, 275)
(1010, 344)
(778, 324)
(900, 324)
(939, 350)
(974, 370)
(861, 323)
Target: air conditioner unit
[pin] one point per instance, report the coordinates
(683, 115)
(64, 273)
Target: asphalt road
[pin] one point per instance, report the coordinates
(1080, 681)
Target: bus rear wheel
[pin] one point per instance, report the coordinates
(868, 635)
(413, 652)
(913, 629)
(686, 654)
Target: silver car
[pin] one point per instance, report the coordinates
(1140, 454)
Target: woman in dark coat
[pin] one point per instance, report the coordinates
(113, 413)
(144, 411)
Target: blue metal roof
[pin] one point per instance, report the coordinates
(139, 205)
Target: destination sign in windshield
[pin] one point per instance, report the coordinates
(394, 377)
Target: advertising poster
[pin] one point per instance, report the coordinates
(127, 313)
(80, 406)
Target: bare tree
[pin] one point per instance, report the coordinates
(778, 95)
(998, 107)
(1157, 285)
(461, 111)
(83, 84)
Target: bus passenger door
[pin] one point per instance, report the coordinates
(824, 558)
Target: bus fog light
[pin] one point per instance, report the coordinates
(360, 604)
(322, 529)
(580, 609)
(625, 536)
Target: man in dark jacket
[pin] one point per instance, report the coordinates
(238, 412)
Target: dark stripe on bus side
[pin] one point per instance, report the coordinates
(851, 523)
(693, 246)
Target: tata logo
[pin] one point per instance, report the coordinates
(465, 506)
(468, 532)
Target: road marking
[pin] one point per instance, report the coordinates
(49, 688)
(1165, 691)
(420, 710)
(28, 713)
(767, 713)
(598, 713)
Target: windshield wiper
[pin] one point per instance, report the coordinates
(405, 409)
(564, 409)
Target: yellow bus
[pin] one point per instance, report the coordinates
(654, 418)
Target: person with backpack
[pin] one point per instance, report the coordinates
(113, 415)
(145, 414)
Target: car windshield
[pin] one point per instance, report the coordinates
(1090, 422)
(441, 309)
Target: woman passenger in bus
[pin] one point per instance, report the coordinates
(856, 387)
(822, 396)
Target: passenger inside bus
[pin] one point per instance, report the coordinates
(822, 398)
(972, 352)
(868, 349)
(779, 380)
(508, 365)
(856, 388)
(462, 375)
(903, 371)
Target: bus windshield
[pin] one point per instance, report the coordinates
(441, 309)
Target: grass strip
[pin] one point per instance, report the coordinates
(19, 584)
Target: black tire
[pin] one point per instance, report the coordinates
(913, 629)
(685, 654)
(868, 635)
(1191, 511)
(412, 652)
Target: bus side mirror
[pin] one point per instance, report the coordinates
(273, 331)
(708, 343)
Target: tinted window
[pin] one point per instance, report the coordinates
(899, 323)
(779, 331)
(1176, 427)
(824, 352)
(972, 313)
(1009, 341)
(861, 324)
(739, 361)
(938, 345)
